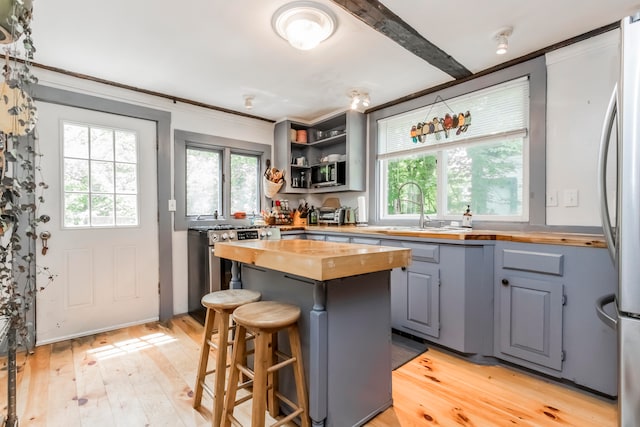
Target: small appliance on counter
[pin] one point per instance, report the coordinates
(331, 212)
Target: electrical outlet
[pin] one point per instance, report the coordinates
(552, 198)
(570, 198)
(172, 205)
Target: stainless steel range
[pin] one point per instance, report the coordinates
(208, 273)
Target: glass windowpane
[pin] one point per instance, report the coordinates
(244, 183)
(102, 211)
(126, 210)
(76, 141)
(76, 210)
(102, 177)
(76, 175)
(403, 198)
(203, 182)
(102, 144)
(126, 178)
(126, 147)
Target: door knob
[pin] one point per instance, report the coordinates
(45, 236)
(505, 282)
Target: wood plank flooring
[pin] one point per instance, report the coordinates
(143, 376)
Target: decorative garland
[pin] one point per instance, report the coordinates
(444, 124)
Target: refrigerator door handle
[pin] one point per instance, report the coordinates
(606, 319)
(605, 138)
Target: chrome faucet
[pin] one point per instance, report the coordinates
(422, 221)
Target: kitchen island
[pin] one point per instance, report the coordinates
(345, 326)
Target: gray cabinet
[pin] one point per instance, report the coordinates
(346, 149)
(545, 317)
(531, 320)
(417, 299)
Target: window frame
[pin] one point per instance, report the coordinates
(90, 192)
(227, 146)
(535, 165)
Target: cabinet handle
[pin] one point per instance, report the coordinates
(404, 268)
(505, 282)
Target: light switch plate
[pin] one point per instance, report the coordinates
(571, 198)
(172, 205)
(552, 198)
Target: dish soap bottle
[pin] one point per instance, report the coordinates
(467, 217)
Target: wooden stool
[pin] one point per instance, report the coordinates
(220, 305)
(264, 319)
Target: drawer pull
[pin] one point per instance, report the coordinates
(505, 282)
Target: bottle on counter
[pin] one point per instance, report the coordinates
(467, 218)
(313, 216)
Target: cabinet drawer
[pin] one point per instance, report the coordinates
(538, 262)
(365, 241)
(423, 252)
(315, 236)
(337, 239)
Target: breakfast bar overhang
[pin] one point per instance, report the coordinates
(343, 291)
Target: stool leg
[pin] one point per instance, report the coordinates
(239, 349)
(221, 367)
(272, 401)
(298, 372)
(260, 365)
(204, 356)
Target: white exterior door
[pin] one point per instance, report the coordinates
(102, 200)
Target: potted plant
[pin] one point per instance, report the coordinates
(19, 186)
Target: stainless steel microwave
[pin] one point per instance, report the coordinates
(328, 174)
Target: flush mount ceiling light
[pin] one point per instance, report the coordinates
(304, 24)
(502, 37)
(359, 98)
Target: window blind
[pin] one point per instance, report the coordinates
(495, 110)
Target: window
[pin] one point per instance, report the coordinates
(100, 176)
(484, 166)
(216, 174)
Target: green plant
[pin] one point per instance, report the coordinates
(20, 191)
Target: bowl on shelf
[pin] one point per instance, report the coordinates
(334, 133)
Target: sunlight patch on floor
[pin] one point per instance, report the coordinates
(132, 345)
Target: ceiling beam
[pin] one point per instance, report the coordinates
(380, 18)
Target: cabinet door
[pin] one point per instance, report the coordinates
(531, 320)
(420, 296)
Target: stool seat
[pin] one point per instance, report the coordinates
(267, 315)
(229, 299)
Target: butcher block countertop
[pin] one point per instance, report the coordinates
(549, 238)
(315, 260)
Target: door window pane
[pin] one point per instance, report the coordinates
(203, 181)
(103, 191)
(244, 183)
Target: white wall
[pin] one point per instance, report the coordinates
(580, 79)
(184, 117)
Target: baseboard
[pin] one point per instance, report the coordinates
(95, 331)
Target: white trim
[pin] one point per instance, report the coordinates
(602, 41)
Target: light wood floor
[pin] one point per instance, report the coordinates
(143, 376)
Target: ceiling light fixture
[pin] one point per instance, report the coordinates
(248, 102)
(304, 24)
(359, 98)
(502, 37)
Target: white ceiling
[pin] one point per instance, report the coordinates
(217, 51)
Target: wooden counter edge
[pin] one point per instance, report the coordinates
(536, 237)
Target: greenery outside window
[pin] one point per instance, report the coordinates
(484, 167)
(216, 174)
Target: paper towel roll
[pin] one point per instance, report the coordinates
(361, 213)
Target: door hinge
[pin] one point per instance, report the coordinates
(564, 299)
(563, 355)
(158, 288)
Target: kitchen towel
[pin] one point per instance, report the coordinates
(362, 210)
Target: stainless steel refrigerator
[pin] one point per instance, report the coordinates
(622, 229)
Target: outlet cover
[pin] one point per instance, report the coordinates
(552, 198)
